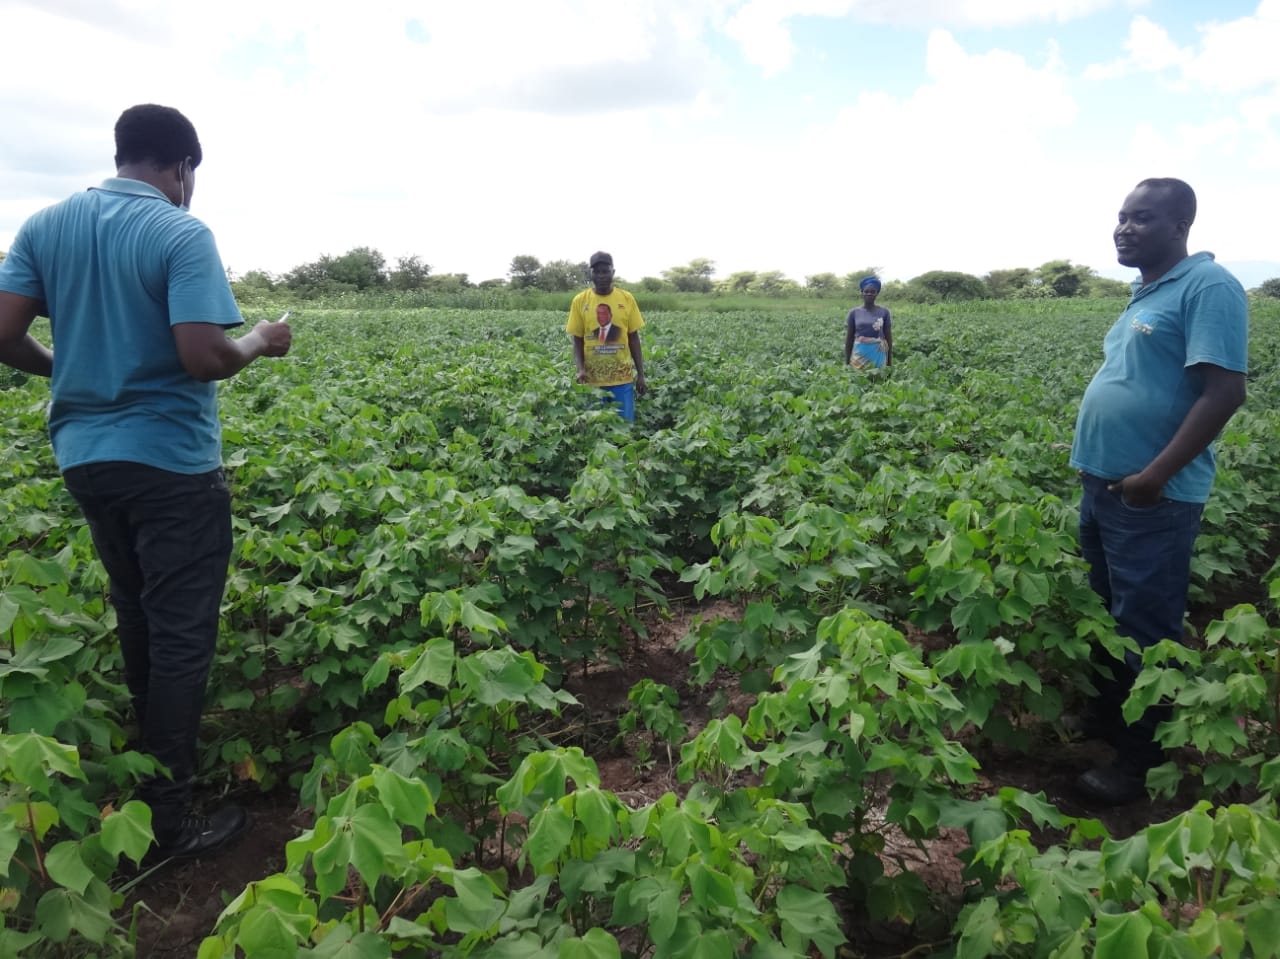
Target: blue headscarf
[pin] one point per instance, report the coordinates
(867, 281)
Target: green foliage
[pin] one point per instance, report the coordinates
(434, 527)
(1269, 288)
(1202, 884)
(410, 274)
(58, 853)
(693, 278)
(945, 286)
(524, 271)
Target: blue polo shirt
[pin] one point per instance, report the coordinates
(116, 267)
(1196, 313)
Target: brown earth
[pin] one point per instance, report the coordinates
(177, 907)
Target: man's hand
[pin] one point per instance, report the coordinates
(641, 387)
(1138, 489)
(276, 337)
(583, 377)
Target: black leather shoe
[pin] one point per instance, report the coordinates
(1112, 786)
(200, 835)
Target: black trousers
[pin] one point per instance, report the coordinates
(165, 540)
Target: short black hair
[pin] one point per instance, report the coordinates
(158, 135)
(1181, 197)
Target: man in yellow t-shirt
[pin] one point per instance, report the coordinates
(605, 325)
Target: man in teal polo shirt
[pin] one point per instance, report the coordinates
(139, 305)
(1172, 375)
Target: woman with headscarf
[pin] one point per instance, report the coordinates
(869, 339)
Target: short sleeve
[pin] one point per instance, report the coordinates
(574, 325)
(198, 289)
(1217, 329)
(18, 273)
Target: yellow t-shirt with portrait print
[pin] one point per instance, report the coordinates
(605, 323)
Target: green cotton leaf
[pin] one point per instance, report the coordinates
(596, 944)
(8, 612)
(376, 845)
(60, 911)
(1034, 588)
(42, 651)
(44, 816)
(549, 835)
(978, 931)
(331, 859)
(66, 867)
(1262, 928)
(434, 665)
(342, 942)
(711, 888)
(1122, 936)
(31, 758)
(808, 917)
(10, 840)
(267, 932)
(407, 800)
(29, 570)
(592, 808)
(478, 621)
(473, 908)
(40, 713)
(664, 913)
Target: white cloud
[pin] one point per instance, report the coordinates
(763, 27)
(1149, 48)
(1241, 55)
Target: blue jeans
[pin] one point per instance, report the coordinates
(1140, 564)
(165, 541)
(622, 398)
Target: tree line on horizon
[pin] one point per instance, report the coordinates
(364, 270)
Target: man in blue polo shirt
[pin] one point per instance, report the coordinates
(139, 305)
(1173, 373)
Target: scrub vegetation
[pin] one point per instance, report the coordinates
(445, 551)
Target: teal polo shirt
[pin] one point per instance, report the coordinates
(117, 266)
(1196, 313)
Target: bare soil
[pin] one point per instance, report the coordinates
(177, 907)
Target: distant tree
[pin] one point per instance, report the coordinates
(1103, 286)
(942, 286)
(1269, 287)
(774, 283)
(823, 284)
(495, 283)
(524, 271)
(652, 284)
(362, 267)
(739, 282)
(310, 279)
(448, 282)
(693, 278)
(256, 280)
(410, 273)
(1007, 284)
(559, 276)
(1063, 278)
(851, 280)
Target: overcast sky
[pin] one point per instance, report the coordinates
(797, 135)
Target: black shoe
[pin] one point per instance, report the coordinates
(200, 835)
(1112, 785)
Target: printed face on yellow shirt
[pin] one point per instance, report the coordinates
(604, 317)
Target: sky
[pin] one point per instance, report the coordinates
(805, 136)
